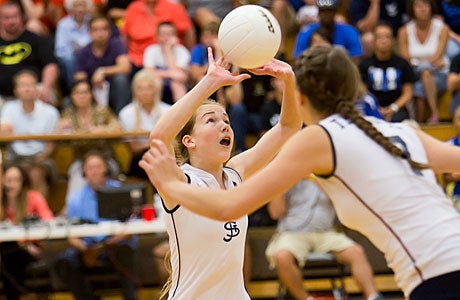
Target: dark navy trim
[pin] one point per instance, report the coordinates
(334, 156)
(170, 211)
(236, 172)
(178, 255)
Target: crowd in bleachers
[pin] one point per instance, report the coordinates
(78, 66)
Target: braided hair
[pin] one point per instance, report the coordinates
(330, 80)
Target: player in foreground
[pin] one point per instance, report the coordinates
(380, 177)
(206, 255)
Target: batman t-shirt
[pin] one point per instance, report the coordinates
(28, 51)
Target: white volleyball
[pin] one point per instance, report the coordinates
(249, 36)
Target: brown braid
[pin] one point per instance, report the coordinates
(348, 111)
(330, 81)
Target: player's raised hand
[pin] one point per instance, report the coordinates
(275, 68)
(220, 70)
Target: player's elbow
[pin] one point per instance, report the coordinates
(157, 134)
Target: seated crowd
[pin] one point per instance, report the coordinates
(102, 66)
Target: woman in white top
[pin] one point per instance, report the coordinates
(207, 255)
(380, 177)
(141, 115)
(423, 42)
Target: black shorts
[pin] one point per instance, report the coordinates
(442, 287)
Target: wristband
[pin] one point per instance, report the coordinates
(394, 107)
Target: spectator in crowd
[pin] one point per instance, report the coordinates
(116, 11)
(199, 52)
(82, 116)
(20, 204)
(422, 42)
(72, 34)
(342, 34)
(366, 103)
(84, 253)
(306, 224)
(141, 22)
(366, 14)
(204, 12)
(35, 18)
(388, 76)
(142, 114)
(450, 12)
(29, 115)
(54, 12)
(453, 84)
(105, 59)
(307, 13)
(169, 61)
(23, 49)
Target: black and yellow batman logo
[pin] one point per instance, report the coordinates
(14, 53)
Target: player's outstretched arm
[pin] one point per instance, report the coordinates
(306, 152)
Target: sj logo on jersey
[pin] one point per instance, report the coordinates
(232, 229)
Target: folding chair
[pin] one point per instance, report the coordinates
(322, 265)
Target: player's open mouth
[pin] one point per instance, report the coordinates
(225, 141)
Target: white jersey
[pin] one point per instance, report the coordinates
(402, 211)
(206, 255)
(42, 120)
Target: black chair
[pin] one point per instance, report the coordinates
(322, 265)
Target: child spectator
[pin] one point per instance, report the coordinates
(169, 61)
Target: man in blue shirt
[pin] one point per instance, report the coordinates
(342, 34)
(85, 252)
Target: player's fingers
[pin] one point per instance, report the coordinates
(210, 56)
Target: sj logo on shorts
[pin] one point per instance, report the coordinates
(232, 229)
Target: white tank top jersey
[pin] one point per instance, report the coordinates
(418, 50)
(206, 255)
(402, 211)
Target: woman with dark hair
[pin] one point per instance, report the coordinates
(379, 176)
(19, 203)
(85, 115)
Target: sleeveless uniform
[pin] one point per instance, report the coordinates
(402, 211)
(206, 255)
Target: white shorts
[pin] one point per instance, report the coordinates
(300, 244)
